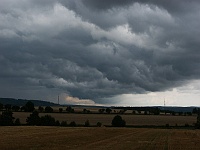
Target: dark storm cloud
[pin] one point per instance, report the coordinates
(92, 49)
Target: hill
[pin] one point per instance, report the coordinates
(22, 102)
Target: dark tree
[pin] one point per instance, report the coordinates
(87, 123)
(1, 106)
(23, 108)
(48, 109)
(69, 109)
(108, 110)
(29, 107)
(72, 124)
(47, 120)
(198, 121)
(6, 119)
(41, 109)
(101, 110)
(195, 111)
(15, 108)
(57, 123)
(99, 124)
(17, 122)
(60, 110)
(8, 107)
(118, 121)
(63, 123)
(33, 119)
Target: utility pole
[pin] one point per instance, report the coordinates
(164, 106)
(164, 102)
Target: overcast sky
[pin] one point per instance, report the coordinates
(113, 52)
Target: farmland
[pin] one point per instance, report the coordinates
(27, 137)
(106, 119)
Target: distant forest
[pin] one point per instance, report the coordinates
(22, 102)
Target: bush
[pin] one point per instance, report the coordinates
(99, 124)
(15, 108)
(40, 109)
(60, 110)
(29, 107)
(87, 123)
(118, 121)
(47, 120)
(57, 123)
(48, 109)
(63, 123)
(17, 122)
(6, 119)
(72, 124)
(33, 119)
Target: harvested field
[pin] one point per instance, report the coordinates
(106, 119)
(53, 138)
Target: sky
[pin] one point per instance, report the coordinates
(94, 52)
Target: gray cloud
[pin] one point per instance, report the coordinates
(94, 50)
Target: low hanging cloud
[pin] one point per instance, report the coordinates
(96, 50)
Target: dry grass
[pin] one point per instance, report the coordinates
(39, 138)
(106, 119)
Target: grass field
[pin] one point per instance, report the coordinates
(106, 119)
(36, 138)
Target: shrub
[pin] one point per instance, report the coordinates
(57, 123)
(48, 109)
(29, 107)
(87, 123)
(17, 122)
(118, 121)
(40, 109)
(63, 123)
(60, 110)
(99, 124)
(6, 119)
(72, 124)
(47, 120)
(33, 119)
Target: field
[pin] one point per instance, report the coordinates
(38, 138)
(106, 119)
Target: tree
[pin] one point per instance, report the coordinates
(15, 108)
(69, 109)
(41, 109)
(195, 111)
(87, 123)
(8, 107)
(6, 119)
(22, 108)
(72, 124)
(101, 110)
(57, 123)
(198, 121)
(29, 107)
(48, 109)
(17, 122)
(108, 110)
(47, 120)
(118, 121)
(60, 110)
(33, 119)
(1, 106)
(63, 123)
(99, 124)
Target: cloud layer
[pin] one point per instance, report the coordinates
(91, 49)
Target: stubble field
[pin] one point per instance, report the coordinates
(53, 138)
